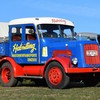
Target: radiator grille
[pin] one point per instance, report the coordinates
(91, 59)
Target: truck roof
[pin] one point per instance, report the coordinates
(41, 20)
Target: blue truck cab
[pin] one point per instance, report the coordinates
(47, 48)
(29, 42)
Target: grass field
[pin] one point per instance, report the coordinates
(75, 92)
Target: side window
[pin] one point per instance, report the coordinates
(16, 33)
(56, 33)
(30, 33)
(66, 33)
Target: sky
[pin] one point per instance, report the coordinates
(84, 13)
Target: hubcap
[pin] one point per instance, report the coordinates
(6, 74)
(55, 75)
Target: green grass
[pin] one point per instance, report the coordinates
(44, 93)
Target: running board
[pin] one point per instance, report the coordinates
(36, 77)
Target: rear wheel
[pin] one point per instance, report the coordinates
(7, 75)
(55, 76)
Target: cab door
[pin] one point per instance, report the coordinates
(24, 44)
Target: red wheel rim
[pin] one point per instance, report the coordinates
(55, 75)
(6, 74)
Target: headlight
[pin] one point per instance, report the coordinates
(91, 53)
(74, 61)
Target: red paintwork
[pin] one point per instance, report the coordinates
(65, 62)
(39, 70)
(36, 70)
(55, 75)
(6, 74)
(18, 70)
(91, 59)
(62, 52)
(23, 70)
(33, 70)
(83, 70)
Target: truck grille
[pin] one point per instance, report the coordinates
(89, 58)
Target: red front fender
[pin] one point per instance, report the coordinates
(65, 62)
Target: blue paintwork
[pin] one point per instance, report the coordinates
(24, 56)
(4, 49)
(76, 46)
(27, 56)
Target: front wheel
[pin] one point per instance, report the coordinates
(7, 75)
(55, 76)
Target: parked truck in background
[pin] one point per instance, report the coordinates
(89, 36)
(46, 48)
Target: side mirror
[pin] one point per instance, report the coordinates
(75, 34)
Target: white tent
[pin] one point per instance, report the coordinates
(3, 29)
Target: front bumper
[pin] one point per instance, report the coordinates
(83, 70)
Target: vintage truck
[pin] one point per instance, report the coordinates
(46, 48)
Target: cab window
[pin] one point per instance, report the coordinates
(30, 33)
(16, 34)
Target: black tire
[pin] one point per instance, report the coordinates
(19, 82)
(7, 75)
(55, 76)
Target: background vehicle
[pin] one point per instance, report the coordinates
(89, 36)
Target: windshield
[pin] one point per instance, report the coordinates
(55, 31)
